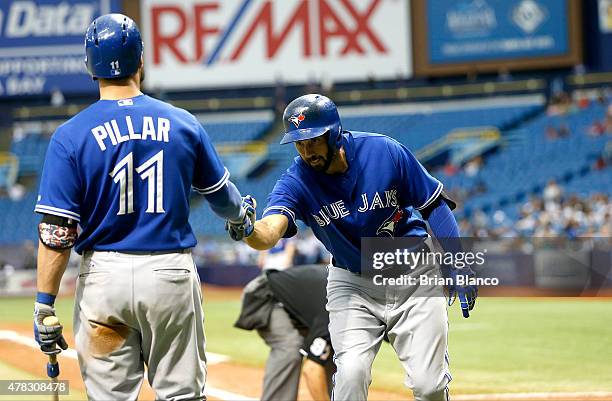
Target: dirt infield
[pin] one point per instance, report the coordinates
(231, 377)
(216, 293)
(227, 378)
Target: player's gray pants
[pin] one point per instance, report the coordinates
(284, 364)
(137, 310)
(417, 326)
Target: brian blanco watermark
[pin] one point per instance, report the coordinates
(434, 280)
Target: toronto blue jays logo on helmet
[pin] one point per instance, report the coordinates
(387, 228)
(296, 120)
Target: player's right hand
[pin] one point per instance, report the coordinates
(243, 228)
(49, 336)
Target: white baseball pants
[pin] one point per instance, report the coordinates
(133, 311)
(417, 326)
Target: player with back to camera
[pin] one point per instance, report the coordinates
(123, 170)
(349, 185)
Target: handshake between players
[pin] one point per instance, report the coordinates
(243, 227)
(467, 294)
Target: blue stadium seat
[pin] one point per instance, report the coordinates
(242, 131)
(31, 152)
(526, 165)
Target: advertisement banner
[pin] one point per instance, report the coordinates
(41, 45)
(489, 30)
(213, 43)
(605, 16)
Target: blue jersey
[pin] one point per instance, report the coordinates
(375, 197)
(124, 170)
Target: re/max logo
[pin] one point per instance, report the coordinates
(317, 23)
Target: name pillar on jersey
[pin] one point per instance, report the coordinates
(150, 131)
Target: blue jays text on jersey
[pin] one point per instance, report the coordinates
(124, 169)
(375, 197)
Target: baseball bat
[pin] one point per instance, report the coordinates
(53, 370)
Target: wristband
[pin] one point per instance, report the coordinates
(45, 298)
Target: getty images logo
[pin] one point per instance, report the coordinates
(27, 18)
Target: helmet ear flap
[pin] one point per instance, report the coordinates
(335, 137)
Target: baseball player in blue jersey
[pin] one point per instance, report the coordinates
(349, 185)
(122, 170)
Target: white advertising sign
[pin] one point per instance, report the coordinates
(605, 16)
(215, 43)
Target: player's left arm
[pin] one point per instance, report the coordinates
(425, 194)
(444, 227)
(442, 222)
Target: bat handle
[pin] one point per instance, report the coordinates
(53, 367)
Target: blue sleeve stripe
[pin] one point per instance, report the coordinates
(216, 187)
(276, 209)
(57, 212)
(432, 198)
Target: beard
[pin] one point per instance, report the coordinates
(318, 163)
(322, 163)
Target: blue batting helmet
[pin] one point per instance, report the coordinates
(113, 47)
(310, 116)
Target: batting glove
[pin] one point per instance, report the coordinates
(48, 337)
(244, 227)
(467, 294)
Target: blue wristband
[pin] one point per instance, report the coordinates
(45, 298)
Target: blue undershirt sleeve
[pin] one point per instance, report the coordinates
(444, 227)
(226, 202)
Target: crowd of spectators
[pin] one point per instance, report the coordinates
(553, 214)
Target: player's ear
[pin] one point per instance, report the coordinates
(141, 69)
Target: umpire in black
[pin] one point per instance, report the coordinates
(287, 308)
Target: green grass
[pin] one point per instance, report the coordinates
(527, 344)
(21, 310)
(508, 345)
(222, 337)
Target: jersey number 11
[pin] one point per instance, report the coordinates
(152, 171)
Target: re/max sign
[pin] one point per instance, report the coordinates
(311, 25)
